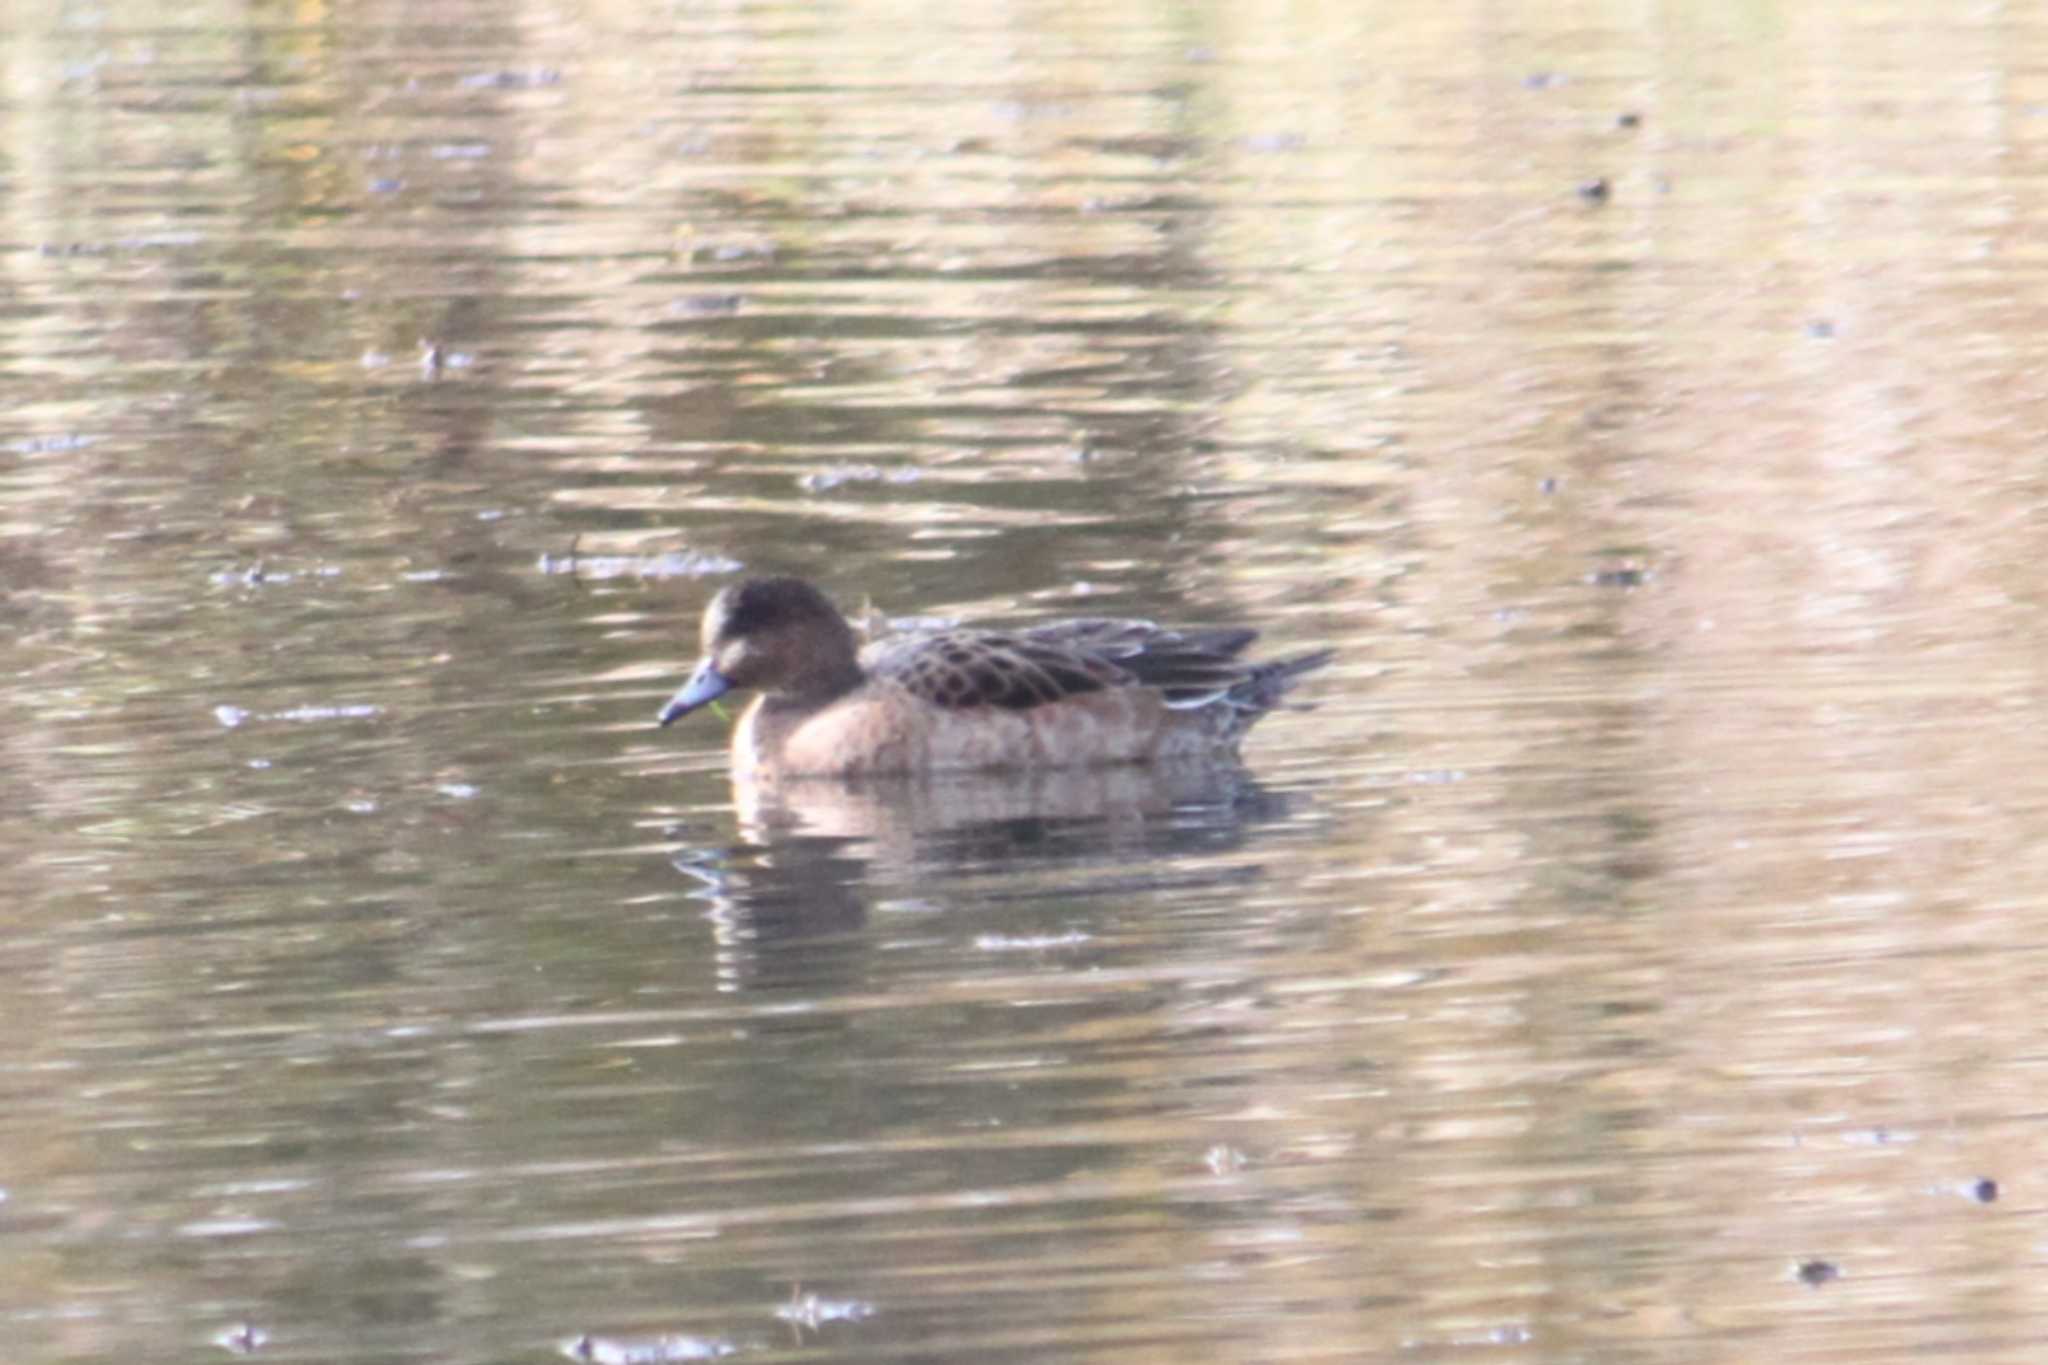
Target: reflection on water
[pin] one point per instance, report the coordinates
(958, 818)
(821, 853)
(1629, 960)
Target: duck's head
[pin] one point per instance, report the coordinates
(775, 635)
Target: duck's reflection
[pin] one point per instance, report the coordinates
(817, 853)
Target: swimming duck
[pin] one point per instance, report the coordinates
(1068, 694)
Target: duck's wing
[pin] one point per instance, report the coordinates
(963, 668)
(1191, 667)
(1046, 664)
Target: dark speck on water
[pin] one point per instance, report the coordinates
(1626, 577)
(1984, 1191)
(1596, 191)
(1818, 1272)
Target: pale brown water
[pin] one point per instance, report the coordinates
(1637, 956)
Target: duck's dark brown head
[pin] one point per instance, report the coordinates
(775, 635)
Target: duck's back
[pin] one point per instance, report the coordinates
(960, 670)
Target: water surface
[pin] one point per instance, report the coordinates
(1628, 958)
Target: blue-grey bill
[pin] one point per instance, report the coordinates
(707, 684)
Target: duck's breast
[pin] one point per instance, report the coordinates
(885, 730)
(863, 733)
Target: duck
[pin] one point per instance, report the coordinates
(1075, 693)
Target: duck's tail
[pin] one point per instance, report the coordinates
(1264, 686)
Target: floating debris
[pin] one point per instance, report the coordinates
(232, 717)
(1596, 191)
(151, 242)
(809, 1310)
(1029, 943)
(645, 1350)
(1223, 1159)
(51, 445)
(744, 251)
(732, 253)
(436, 357)
(825, 479)
(1507, 1334)
(706, 305)
(1268, 143)
(243, 1339)
(513, 80)
(260, 573)
(304, 714)
(670, 564)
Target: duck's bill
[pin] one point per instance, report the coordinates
(707, 684)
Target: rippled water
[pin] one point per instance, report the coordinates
(1628, 958)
